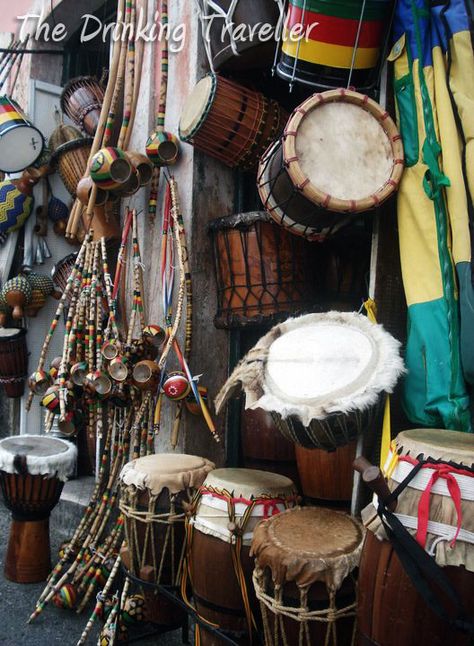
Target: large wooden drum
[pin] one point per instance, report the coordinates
(13, 361)
(33, 469)
(153, 491)
(341, 42)
(81, 99)
(304, 559)
(321, 376)
(263, 273)
(341, 154)
(437, 508)
(224, 514)
(230, 122)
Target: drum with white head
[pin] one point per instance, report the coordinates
(321, 376)
(21, 143)
(341, 154)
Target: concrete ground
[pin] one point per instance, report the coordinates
(54, 626)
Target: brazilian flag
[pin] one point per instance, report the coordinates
(434, 89)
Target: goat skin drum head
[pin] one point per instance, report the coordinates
(344, 151)
(319, 362)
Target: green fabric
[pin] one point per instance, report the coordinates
(340, 9)
(425, 399)
(466, 303)
(408, 121)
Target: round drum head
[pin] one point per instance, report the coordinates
(344, 151)
(320, 362)
(9, 333)
(39, 446)
(249, 482)
(196, 106)
(20, 147)
(450, 446)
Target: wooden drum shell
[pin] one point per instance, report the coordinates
(263, 272)
(159, 609)
(30, 498)
(390, 610)
(14, 363)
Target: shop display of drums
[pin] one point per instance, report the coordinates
(304, 559)
(436, 508)
(321, 376)
(236, 34)
(33, 469)
(21, 144)
(153, 491)
(223, 516)
(323, 171)
(230, 122)
(13, 361)
(262, 271)
(341, 42)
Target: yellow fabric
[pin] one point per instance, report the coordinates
(313, 51)
(418, 235)
(371, 309)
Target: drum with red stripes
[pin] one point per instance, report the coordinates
(324, 40)
(21, 143)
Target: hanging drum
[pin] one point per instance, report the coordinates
(321, 376)
(230, 122)
(82, 100)
(70, 155)
(13, 361)
(341, 154)
(21, 144)
(240, 34)
(262, 271)
(333, 44)
(433, 471)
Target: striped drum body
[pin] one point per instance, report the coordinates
(319, 39)
(21, 144)
(15, 207)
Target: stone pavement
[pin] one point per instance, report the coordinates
(54, 626)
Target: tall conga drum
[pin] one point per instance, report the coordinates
(13, 361)
(222, 519)
(263, 273)
(304, 564)
(21, 143)
(235, 34)
(321, 376)
(341, 42)
(228, 121)
(33, 469)
(436, 507)
(341, 154)
(152, 494)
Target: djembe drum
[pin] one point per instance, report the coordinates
(319, 173)
(231, 32)
(304, 559)
(436, 507)
(21, 143)
(221, 522)
(153, 491)
(81, 100)
(13, 361)
(230, 122)
(321, 376)
(262, 271)
(33, 469)
(341, 42)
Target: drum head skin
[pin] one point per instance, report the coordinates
(250, 483)
(173, 471)
(318, 365)
(449, 446)
(196, 107)
(334, 166)
(309, 544)
(44, 455)
(20, 147)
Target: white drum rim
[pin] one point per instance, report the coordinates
(15, 332)
(59, 465)
(31, 161)
(439, 444)
(197, 106)
(307, 187)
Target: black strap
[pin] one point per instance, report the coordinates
(421, 568)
